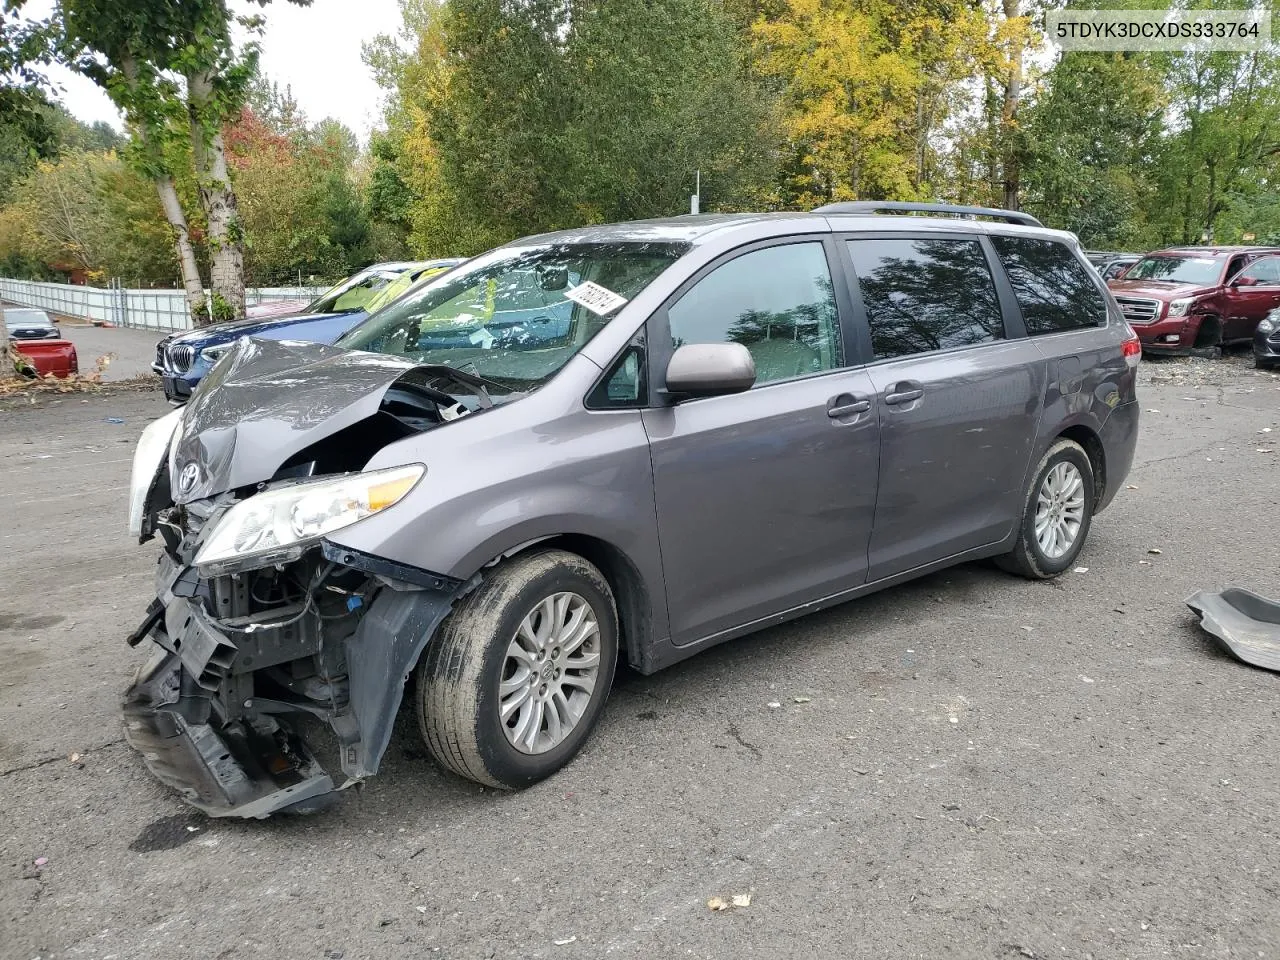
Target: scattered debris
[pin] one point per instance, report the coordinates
(951, 806)
(860, 772)
(1245, 624)
(742, 899)
(1265, 430)
(717, 904)
(1152, 410)
(1080, 570)
(566, 941)
(1144, 563)
(803, 699)
(1265, 450)
(74, 758)
(1131, 486)
(1084, 679)
(773, 705)
(421, 909)
(1155, 551)
(40, 861)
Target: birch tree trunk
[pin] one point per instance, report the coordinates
(1009, 115)
(182, 242)
(6, 360)
(216, 196)
(173, 211)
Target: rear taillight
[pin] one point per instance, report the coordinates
(1132, 349)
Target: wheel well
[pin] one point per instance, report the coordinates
(1097, 457)
(634, 622)
(1209, 333)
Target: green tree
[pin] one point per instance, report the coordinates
(1090, 135)
(512, 117)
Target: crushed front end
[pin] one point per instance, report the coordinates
(263, 629)
(244, 660)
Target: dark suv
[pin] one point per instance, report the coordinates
(1198, 298)
(689, 429)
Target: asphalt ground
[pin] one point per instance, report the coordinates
(967, 766)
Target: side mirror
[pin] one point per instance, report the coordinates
(1245, 282)
(710, 369)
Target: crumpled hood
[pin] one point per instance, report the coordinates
(265, 401)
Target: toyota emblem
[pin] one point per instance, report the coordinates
(189, 477)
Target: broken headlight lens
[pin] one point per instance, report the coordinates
(1268, 324)
(276, 526)
(1178, 308)
(147, 458)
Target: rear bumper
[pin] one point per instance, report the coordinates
(1119, 441)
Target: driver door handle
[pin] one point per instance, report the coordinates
(904, 392)
(847, 406)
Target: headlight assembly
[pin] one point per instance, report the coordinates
(276, 526)
(1178, 308)
(153, 445)
(1267, 325)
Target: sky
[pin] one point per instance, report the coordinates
(315, 50)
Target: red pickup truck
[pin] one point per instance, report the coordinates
(1195, 298)
(56, 357)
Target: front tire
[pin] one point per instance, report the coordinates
(1056, 516)
(515, 680)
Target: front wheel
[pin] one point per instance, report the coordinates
(1057, 513)
(515, 680)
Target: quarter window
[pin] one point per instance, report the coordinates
(777, 302)
(1051, 286)
(924, 295)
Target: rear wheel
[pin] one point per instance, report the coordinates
(511, 687)
(1056, 516)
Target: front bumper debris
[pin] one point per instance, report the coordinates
(234, 770)
(219, 709)
(1245, 625)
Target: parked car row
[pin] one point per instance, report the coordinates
(184, 359)
(622, 441)
(1198, 299)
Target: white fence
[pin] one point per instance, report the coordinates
(148, 309)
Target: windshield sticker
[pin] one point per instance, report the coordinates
(599, 300)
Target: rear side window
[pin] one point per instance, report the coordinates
(924, 295)
(1053, 289)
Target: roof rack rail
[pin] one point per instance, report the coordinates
(900, 206)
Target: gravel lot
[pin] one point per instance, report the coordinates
(967, 766)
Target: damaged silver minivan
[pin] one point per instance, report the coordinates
(632, 440)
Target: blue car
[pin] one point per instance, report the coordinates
(183, 359)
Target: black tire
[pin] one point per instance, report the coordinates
(457, 692)
(1027, 559)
